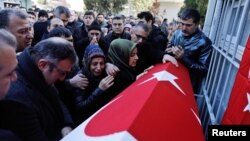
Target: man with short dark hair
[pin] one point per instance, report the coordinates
(156, 37)
(192, 47)
(16, 21)
(39, 67)
(117, 30)
(82, 32)
(62, 13)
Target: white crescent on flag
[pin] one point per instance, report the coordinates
(79, 133)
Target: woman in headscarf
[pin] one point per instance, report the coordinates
(89, 100)
(123, 54)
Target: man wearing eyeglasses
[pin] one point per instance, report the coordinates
(191, 46)
(39, 67)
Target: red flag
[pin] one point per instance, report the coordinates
(238, 110)
(160, 106)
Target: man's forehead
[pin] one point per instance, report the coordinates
(117, 21)
(187, 20)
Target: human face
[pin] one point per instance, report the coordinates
(144, 21)
(55, 23)
(32, 18)
(97, 66)
(100, 18)
(188, 27)
(64, 18)
(117, 26)
(88, 19)
(94, 34)
(133, 58)
(43, 18)
(8, 63)
(54, 72)
(138, 35)
(22, 30)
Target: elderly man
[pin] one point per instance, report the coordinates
(16, 21)
(39, 67)
(192, 47)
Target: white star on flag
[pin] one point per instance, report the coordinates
(247, 108)
(164, 76)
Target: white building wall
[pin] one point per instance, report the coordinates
(170, 9)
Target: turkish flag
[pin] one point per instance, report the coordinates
(159, 106)
(238, 109)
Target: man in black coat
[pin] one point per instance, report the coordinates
(8, 64)
(94, 37)
(117, 31)
(156, 37)
(38, 69)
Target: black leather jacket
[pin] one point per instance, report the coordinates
(197, 54)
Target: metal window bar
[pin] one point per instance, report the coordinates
(223, 93)
(227, 26)
(211, 69)
(213, 80)
(216, 93)
(212, 62)
(240, 30)
(222, 23)
(233, 26)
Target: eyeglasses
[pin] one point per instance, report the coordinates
(60, 71)
(139, 36)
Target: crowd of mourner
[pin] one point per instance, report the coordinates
(58, 68)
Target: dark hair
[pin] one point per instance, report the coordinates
(89, 13)
(6, 13)
(190, 13)
(100, 14)
(32, 13)
(118, 17)
(54, 49)
(61, 10)
(59, 32)
(145, 15)
(143, 26)
(43, 13)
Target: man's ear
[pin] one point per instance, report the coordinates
(150, 22)
(42, 64)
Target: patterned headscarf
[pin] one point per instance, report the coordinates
(91, 52)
